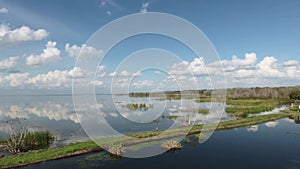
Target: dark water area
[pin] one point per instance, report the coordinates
(270, 145)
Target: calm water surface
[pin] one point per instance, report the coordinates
(270, 145)
(56, 114)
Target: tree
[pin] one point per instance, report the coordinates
(295, 95)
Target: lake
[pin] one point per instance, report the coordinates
(270, 145)
(57, 115)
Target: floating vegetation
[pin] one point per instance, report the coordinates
(169, 117)
(140, 107)
(201, 137)
(156, 121)
(116, 150)
(203, 111)
(171, 145)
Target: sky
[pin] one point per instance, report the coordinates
(258, 43)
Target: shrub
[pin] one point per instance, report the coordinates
(24, 141)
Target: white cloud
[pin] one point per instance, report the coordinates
(268, 68)
(84, 51)
(22, 34)
(97, 83)
(236, 63)
(180, 68)
(8, 63)
(16, 79)
(57, 78)
(124, 73)
(3, 10)
(144, 83)
(111, 3)
(50, 54)
(197, 67)
(144, 8)
(52, 79)
(291, 63)
(241, 72)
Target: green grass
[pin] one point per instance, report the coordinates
(203, 99)
(203, 111)
(170, 117)
(41, 155)
(243, 107)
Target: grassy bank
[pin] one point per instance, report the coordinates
(243, 107)
(84, 147)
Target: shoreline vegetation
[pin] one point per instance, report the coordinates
(37, 156)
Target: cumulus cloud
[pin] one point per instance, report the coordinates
(237, 64)
(144, 83)
(8, 63)
(124, 73)
(50, 54)
(22, 34)
(16, 79)
(3, 10)
(50, 80)
(83, 50)
(247, 71)
(57, 78)
(268, 68)
(144, 8)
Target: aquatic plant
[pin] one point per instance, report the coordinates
(140, 107)
(171, 145)
(116, 149)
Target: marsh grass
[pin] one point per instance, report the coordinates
(243, 107)
(170, 117)
(203, 111)
(23, 142)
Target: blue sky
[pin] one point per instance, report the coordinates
(267, 28)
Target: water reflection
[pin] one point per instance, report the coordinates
(270, 148)
(253, 128)
(272, 124)
(56, 114)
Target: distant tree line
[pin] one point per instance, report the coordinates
(295, 95)
(234, 93)
(261, 92)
